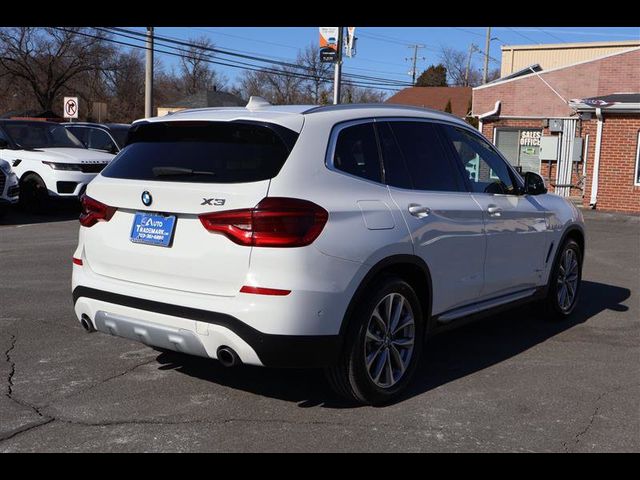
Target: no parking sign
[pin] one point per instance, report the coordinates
(70, 107)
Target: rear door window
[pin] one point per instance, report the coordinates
(203, 152)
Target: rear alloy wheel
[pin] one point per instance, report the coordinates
(33, 194)
(564, 284)
(382, 345)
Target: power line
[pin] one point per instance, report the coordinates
(255, 58)
(555, 37)
(523, 36)
(255, 68)
(400, 74)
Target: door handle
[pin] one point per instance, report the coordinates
(494, 210)
(419, 210)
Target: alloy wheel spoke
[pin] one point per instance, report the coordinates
(398, 358)
(372, 357)
(397, 312)
(380, 364)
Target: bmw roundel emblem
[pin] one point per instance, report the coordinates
(147, 199)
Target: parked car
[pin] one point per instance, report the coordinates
(106, 137)
(9, 187)
(48, 160)
(336, 237)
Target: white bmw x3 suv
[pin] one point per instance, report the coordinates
(301, 236)
(49, 161)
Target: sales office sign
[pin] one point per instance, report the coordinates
(530, 138)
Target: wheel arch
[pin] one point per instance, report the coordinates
(409, 267)
(575, 232)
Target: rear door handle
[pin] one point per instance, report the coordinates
(494, 210)
(419, 210)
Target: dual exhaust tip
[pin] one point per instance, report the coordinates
(227, 356)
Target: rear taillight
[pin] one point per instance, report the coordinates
(274, 222)
(94, 211)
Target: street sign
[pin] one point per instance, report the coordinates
(70, 107)
(329, 44)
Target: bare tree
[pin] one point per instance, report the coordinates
(195, 72)
(279, 85)
(355, 94)
(46, 60)
(124, 79)
(455, 61)
(317, 88)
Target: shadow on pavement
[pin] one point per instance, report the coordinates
(60, 210)
(447, 356)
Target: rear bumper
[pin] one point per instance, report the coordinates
(200, 332)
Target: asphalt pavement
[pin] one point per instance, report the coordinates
(512, 382)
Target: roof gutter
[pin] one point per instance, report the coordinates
(488, 114)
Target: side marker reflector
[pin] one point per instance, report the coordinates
(264, 291)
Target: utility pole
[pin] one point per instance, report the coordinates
(148, 83)
(415, 61)
(472, 48)
(337, 78)
(487, 45)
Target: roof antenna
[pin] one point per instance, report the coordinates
(256, 102)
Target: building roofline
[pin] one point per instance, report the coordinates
(564, 46)
(544, 72)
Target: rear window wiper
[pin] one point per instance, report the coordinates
(179, 171)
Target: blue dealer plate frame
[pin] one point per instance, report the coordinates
(153, 229)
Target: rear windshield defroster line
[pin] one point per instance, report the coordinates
(203, 152)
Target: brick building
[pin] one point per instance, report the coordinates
(577, 125)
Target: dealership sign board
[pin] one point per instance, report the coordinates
(329, 44)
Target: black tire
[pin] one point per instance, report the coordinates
(350, 377)
(34, 196)
(551, 304)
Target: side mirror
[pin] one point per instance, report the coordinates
(534, 184)
(3, 143)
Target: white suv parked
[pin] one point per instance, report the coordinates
(48, 160)
(335, 237)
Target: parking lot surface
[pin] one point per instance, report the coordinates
(512, 382)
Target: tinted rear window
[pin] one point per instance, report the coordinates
(203, 152)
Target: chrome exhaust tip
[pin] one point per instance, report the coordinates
(85, 321)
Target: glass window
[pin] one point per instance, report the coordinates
(100, 140)
(396, 173)
(357, 152)
(488, 173)
(81, 133)
(41, 135)
(427, 160)
(203, 152)
(520, 147)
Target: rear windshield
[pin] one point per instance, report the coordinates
(203, 152)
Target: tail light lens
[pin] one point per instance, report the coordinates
(274, 222)
(94, 211)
